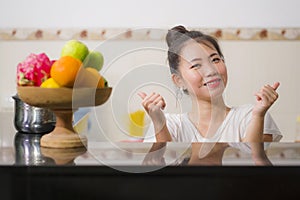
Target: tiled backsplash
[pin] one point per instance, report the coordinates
(254, 57)
(146, 33)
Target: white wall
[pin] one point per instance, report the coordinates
(151, 13)
(245, 60)
(250, 64)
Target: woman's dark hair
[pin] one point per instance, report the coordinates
(176, 38)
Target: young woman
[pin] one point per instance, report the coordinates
(198, 69)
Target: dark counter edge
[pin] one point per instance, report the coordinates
(171, 182)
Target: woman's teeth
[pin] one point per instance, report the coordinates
(211, 83)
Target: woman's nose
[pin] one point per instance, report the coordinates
(209, 70)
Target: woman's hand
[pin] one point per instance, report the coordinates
(265, 99)
(154, 104)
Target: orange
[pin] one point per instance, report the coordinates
(64, 70)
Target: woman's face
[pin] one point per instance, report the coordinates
(203, 71)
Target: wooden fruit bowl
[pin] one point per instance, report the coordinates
(63, 102)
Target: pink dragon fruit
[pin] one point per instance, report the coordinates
(34, 70)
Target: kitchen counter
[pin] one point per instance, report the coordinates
(144, 170)
(26, 150)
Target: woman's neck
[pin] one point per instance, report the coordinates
(207, 116)
(205, 111)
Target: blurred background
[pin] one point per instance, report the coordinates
(260, 41)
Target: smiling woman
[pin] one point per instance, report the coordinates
(198, 67)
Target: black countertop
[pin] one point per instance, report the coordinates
(112, 170)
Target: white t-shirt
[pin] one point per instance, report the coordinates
(232, 130)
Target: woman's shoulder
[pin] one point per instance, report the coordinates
(175, 116)
(243, 108)
(241, 111)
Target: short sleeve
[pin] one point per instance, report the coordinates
(173, 123)
(270, 127)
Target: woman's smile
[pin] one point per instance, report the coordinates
(214, 83)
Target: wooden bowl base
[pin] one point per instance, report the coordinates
(63, 138)
(63, 135)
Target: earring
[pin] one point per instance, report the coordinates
(179, 93)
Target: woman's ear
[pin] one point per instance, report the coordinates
(177, 80)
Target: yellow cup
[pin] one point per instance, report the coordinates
(137, 123)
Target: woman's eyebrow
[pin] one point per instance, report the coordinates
(213, 54)
(196, 59)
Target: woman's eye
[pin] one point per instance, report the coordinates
(216, 60)
(195, 66)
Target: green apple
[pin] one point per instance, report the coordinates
(75, 49)
(94, 59)
(105, 82)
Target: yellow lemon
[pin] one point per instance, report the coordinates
(50, 83)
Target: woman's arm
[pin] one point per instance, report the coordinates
(255, 131)
(267, 137)
(163, 135)
(264, 100)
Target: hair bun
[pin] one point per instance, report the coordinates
(175, 33)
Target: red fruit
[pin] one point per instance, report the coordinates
(34, 70)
